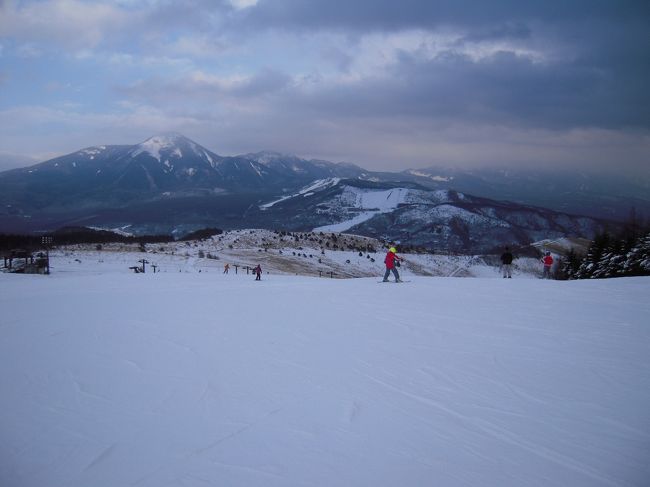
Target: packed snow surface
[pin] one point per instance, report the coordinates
(110, 378)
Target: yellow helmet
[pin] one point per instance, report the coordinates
(393, 250)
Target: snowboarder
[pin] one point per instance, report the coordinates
(226, 268)
(258, 273)
(506, 261)
(548, 263)
(392, 260)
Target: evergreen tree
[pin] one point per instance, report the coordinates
(571, 264)
(637, 261)
(592, 261)
(608, 257)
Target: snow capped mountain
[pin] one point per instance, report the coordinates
(163, 166)
(170, 183)
(172, 147)
(159, 163)
(166, 178)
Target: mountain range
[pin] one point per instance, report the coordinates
(169, 183)
(599, 194)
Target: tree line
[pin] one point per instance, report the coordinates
(75, 235)
(627, 254)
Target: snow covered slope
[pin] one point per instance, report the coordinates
(300, 253)
(438, 219)
(191, 379)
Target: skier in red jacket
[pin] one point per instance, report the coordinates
(392, 261)
(548, 263)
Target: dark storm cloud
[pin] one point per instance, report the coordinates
(502, 89)
(406, 14)
(596, 74)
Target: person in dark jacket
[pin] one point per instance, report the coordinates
(258, 273)
(506, 263)
(392, 261)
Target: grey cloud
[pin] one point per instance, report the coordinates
(503, 89)
(593, 76)
(507, 30)
(341, 59)
(195, 15)
(267, 81)
(596, 74)
(205, 92)
(406, 14)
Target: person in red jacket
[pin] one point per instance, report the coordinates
(548, 263)
(392, 261)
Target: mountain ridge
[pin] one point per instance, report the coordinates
(169, 183)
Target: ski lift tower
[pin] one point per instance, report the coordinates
(46, 241)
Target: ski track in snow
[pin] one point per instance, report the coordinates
(209, 379)
(501, 434)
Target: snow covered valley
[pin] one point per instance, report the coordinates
(110, 378)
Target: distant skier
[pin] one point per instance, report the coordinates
(506, 263)
(392, 261)
(548, 263)
(226, 268)
(258, 273)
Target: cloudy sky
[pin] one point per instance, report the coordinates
(385, 84)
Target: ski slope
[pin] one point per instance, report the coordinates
(374, 202)
(201, 379)
(278, 255)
